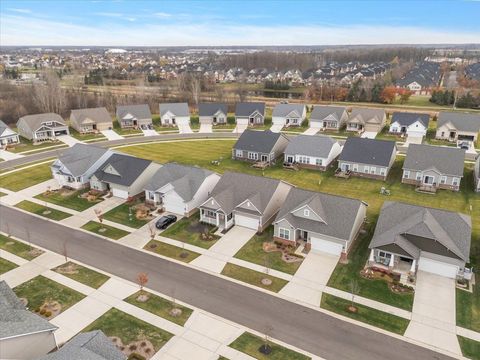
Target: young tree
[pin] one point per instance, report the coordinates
(99, 214)
(388, 94)
(354, 290)
(404, 95)
(142, 279)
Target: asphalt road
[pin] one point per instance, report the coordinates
(294, 324)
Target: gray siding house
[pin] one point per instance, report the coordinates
(289, 114)
(134, 116)
(7, 135)
(265, 146)
(433, 167)
(91, 120)
(212, 113)
(250, 113)
(42, 127)
(331, 118)
(174, 114)
(454, 126)
(476, 174)
(362, 119)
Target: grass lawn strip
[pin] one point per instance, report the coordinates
(72, 201)
(160, 307)
(190, 230)
(6, 266)
(41, 210)
(82, 274)
(105, 230)
(253, 277)
(171, 251)
(23, 179)
(468, 308)
(120, 214)
(249, 344)
(18, 248)
(365, 314)
(470, 348)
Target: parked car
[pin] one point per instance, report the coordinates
(165, 221)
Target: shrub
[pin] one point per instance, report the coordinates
(43, 311)
(48, 313)
(135, 356)
(132, 347)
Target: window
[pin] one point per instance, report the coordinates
(384, 255)
(419, 176)
(229, 216)
(238, 153)
(306, 212)
(406, 174)
(366, 169)
(284, 233)
(455, 181)
(443, 180)
(303, 159)
(382, 171)
(355, 167)
(373, 170)
(319, 162)
(151, 195)
(253, 156)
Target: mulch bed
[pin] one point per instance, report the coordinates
(284, 249)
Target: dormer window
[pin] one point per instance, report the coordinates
(248, 203)
(306, 212)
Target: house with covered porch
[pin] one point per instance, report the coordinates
(42, 127)
(368, 120)
(457, 126)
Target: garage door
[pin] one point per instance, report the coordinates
(122, 194)
(181, 122)
(242, 121)
(326, 246)
(246, 221)
(174, 207)
(436, 267)
(316, 124)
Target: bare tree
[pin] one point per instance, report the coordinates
(50, 97)
(195, 89)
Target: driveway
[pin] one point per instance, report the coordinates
(433, 315)
(205, 128)
(184, 129)
(311, 131)
(69, 140)
(7, 155)
(111, 135)
(276, 128)
(369, 135)
(240, 128)
(414, 140)
(149, 132)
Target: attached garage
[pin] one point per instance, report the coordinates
(120, 193)
(174, 207)
(437, 267)
(326, 246)
(248, 222)
(316, 124)
(242, 121)
(182, 121)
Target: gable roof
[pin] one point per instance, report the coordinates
(320, 112)
(283, 110)
(210, 109)
(366, 115)
(128, 167)
(186, 180)
(15, 319)
(80, 157)
(36, 120)
(461, 121)
(401, 223)
(446, 159)
(141, 111)
(92, 345)
(97, 115)
(339, 213)
(178, 109)
(315, 145)
(248, 108)
(4, 127)
(406, 118)
(258, 141)
(368, 151)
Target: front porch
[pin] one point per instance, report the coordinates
(404, 266)
(216, 218)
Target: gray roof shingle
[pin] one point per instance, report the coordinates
(315, 145)
(128, 167)
(406, 118)
(446, 159)
(36, 120)
(80, 157)
(368, 151)
(365, 115)
(178, 109)
(320, 112)
(282, 110)
(210, 109)
(246, 109)
(141, 111)
(461, 121)
(97, 115)
(258, 141)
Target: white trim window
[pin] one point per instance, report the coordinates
(253, 155)
(383, 171)
(284, 233)
(302, 159)
(319, 162)
(418, 176)
(443, 179)
(355, 167)
(366, 169)
(239, 153)
(455, 181)
(373, 170)
(306, 212)
(406, 174)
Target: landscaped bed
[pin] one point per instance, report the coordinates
(6, 266)
(253, 277)
(131, 335)
(22, 179)
(133, 214)
(193, 232)
(171, 251)
(82, 274)
(41, 210)
(105, 230)
(470, 348)
(79, 200)
(18, 248)
(47, 297)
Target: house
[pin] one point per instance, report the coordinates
(312, 152)
(367, 157)
(124, 175)
(370, 120)
(174, 114)
(23, 334)
(476, 174)
(328, 117)
(94, 345)
(134, 116)
(180, 189)
(76, 165)
(212, 113)
(433, 167)
(91, 120)
(455, 126)
(250, 113)
(409, 238)
(413, 125)
(289, 114)
(319, 221)
(265, 146)
(7, 135)
(244, 200)
(42, 127)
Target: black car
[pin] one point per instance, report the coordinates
(164, 221)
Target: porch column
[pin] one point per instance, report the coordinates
(392, 263)
(414, 265)
(372, 256)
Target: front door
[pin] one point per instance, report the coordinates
(252, 121)
(221, 221)
(428, 180)
(173, 121)
(290, 159)
(135, 123)
(345, 167)
(264, 158)
(452, 134)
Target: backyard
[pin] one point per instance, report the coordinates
(192, 231)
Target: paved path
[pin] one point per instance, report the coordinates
(311, 131)
(300, 326)
(184, 129)
(240, 128)
(369, 135)
(205, 128)
(276, 128)
(111, 135)
(7, 155)
(149, 132)
(69, 140)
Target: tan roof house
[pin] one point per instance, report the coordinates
(91, 120)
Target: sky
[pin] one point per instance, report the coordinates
(225, 23)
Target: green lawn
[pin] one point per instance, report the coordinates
(6, 266)
(40, 289)
(121, 215)
(365, 314)
(123, 132)
(470, 348)
(23, 179)
(129, 329)
(253, 252)
(19, 248)
(190, 230)
(110, 231)
(161, 307)
(249, 344)
(41, 210)
(69, 200)
(82, 274)
(85, 137)
(253, 277)
(171, 251)
(27, 145)
(2, 194)
(468, 308)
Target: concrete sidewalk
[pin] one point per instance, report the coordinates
(7, 155)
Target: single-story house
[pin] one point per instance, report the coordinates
(134, 116)
(328, 117)
(76, 165)
(244, 200)
(265, 146)
(124, 175)
(476, 174)
(23, 334)
(312, 152)
(413, 125)
(92, 345)
(367, 157)
(455, 126)
(436, 167)
(212, 113)
(250, 113)
(408, 238)
(7, 135)
(362, 119)
(174, 114)
(91, 120)
(42, 127)
(179, 188)
(319, 221)
(289, 114)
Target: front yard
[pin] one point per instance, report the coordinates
(79, 200)
(128, 214)
(82, 274)
(252, 277)
(171, 251)
(23, 179)
(105, 230)
(6, 266)
(41, 210)
(191, 231)
(19, 248)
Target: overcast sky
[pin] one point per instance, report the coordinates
(198, 23)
